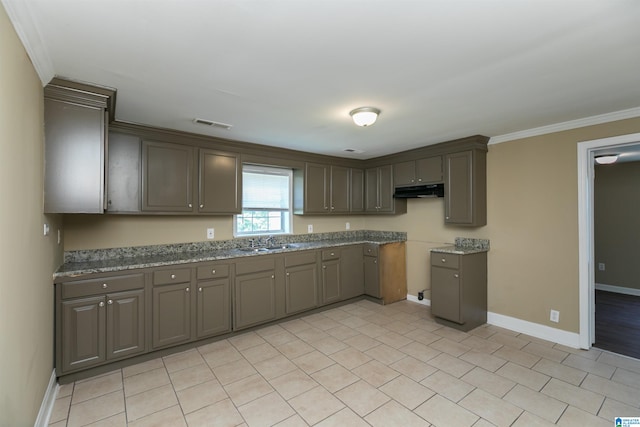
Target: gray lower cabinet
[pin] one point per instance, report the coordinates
(371, 273)
(171, 313)
(255, 292)
(459, 289)
(351, 272)
(213, 300)
(301, 281)
(94, 325)
(330, 276)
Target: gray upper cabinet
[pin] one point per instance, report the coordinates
(75, 142)
(466, 188)
(357, 190)
(379, 192)
(417, 172)
(326, 189)
(123, 177)
(167, 177)
(219, 182)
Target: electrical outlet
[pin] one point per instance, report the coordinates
(601, 266)
(554, 316)
(210, 233)
(310, 228)
(59, 239)
(348, 226)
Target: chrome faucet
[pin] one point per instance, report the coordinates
(268, 241)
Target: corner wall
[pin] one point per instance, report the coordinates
(27, 257)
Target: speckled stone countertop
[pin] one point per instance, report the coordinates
(464, 246)
(77, 263)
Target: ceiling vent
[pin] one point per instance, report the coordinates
(212, 123)
(353, 150)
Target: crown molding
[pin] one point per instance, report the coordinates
(24, 24)
(572, 124)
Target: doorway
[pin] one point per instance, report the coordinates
(586, 154)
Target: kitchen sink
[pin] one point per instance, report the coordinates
(283, 246)
(254, 249)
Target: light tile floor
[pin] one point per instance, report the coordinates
(358, 365)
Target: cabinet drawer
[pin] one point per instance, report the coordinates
(370, 249)
(81, 288)
(213, 271)
(330, 254)
(300, 258)
(445, 260)
(255, 265)
(166, 277)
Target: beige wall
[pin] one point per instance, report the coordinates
(27, 258)
(532, 224)
(617, 224)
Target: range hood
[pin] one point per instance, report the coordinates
(422, 191)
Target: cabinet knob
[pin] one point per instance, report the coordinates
(444, 260)
(456, 275)
(190, 205)
(110, 302)
(173, 276)
(332, 207)
(199, 289)
(288, 274)
(101, 304)
(332, 254)
(446, 217)
(324, 267)
(375, 261)
(369, 250)
(326, 207)
(419, 179)
(105, 286)
(201, 206)
(213, 272)
(187, 289)
(273, 276)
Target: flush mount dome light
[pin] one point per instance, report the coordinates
(606, 159)
(364, 116)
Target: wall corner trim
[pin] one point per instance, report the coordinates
(48, 401)
(569, 339)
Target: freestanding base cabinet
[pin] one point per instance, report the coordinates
(459, 289)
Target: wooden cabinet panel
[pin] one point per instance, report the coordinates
(429, 170)
(330, 281)
(465, 188)
(351, 271)
(82, 333)
(379, 192)
(219, 184)
(125, 324)
(357, 190)
(213, 305)
(315, 188)
(123, 177)
(445, 294)
(371, 276)
(167, 177)
(171, 314)
(301, 288)
(340, 189)
(255, 299)
(385, 271)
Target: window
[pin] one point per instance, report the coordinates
(266, 201)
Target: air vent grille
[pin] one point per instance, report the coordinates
(212, 123)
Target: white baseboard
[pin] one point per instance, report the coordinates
(415, 299)
(570, 339)
(617, 289)
(48, 401)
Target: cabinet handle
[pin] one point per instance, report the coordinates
(332, 208)
(110, 302)
(369, 250)
(332, 254)
(104, 286)
(187, 289)
(201, 206)
(173, 276)
(375, 261)
(288, 274)
(324, 267)
(419, 179)
(213, 272)
(273, 276)
(444, 260)
(456, 275)
(101, 304)
(199, 289)
(190, 205)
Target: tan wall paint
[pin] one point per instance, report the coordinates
(27, 258)
(617, 224)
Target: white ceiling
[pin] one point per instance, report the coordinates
(287, 72)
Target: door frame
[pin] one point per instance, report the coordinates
(586, 275)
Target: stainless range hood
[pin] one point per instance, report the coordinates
(419, 191)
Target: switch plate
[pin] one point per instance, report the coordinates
(59, 239)
(601, 266)
(554, 316)
(210, 233)
(310, 228)
(46, 229)
(348, 226)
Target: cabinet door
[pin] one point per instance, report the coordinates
(429, 170)
(74, 157)
(404, 173)
(219, 184)
(458, 188)
(385, 188)
(330, 281)
(301, 288)
(352, 272)
(125, 323)
(316, 191)
(255, 298)
(371, 190)
(167, 177)
(371, 276)
(340, 189)
(123, 178)
(171, 314)
(445, 294)
(213, 305)
(83, 333)
(357, 190)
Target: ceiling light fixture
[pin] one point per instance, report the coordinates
(364, 116)
(606, 159)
